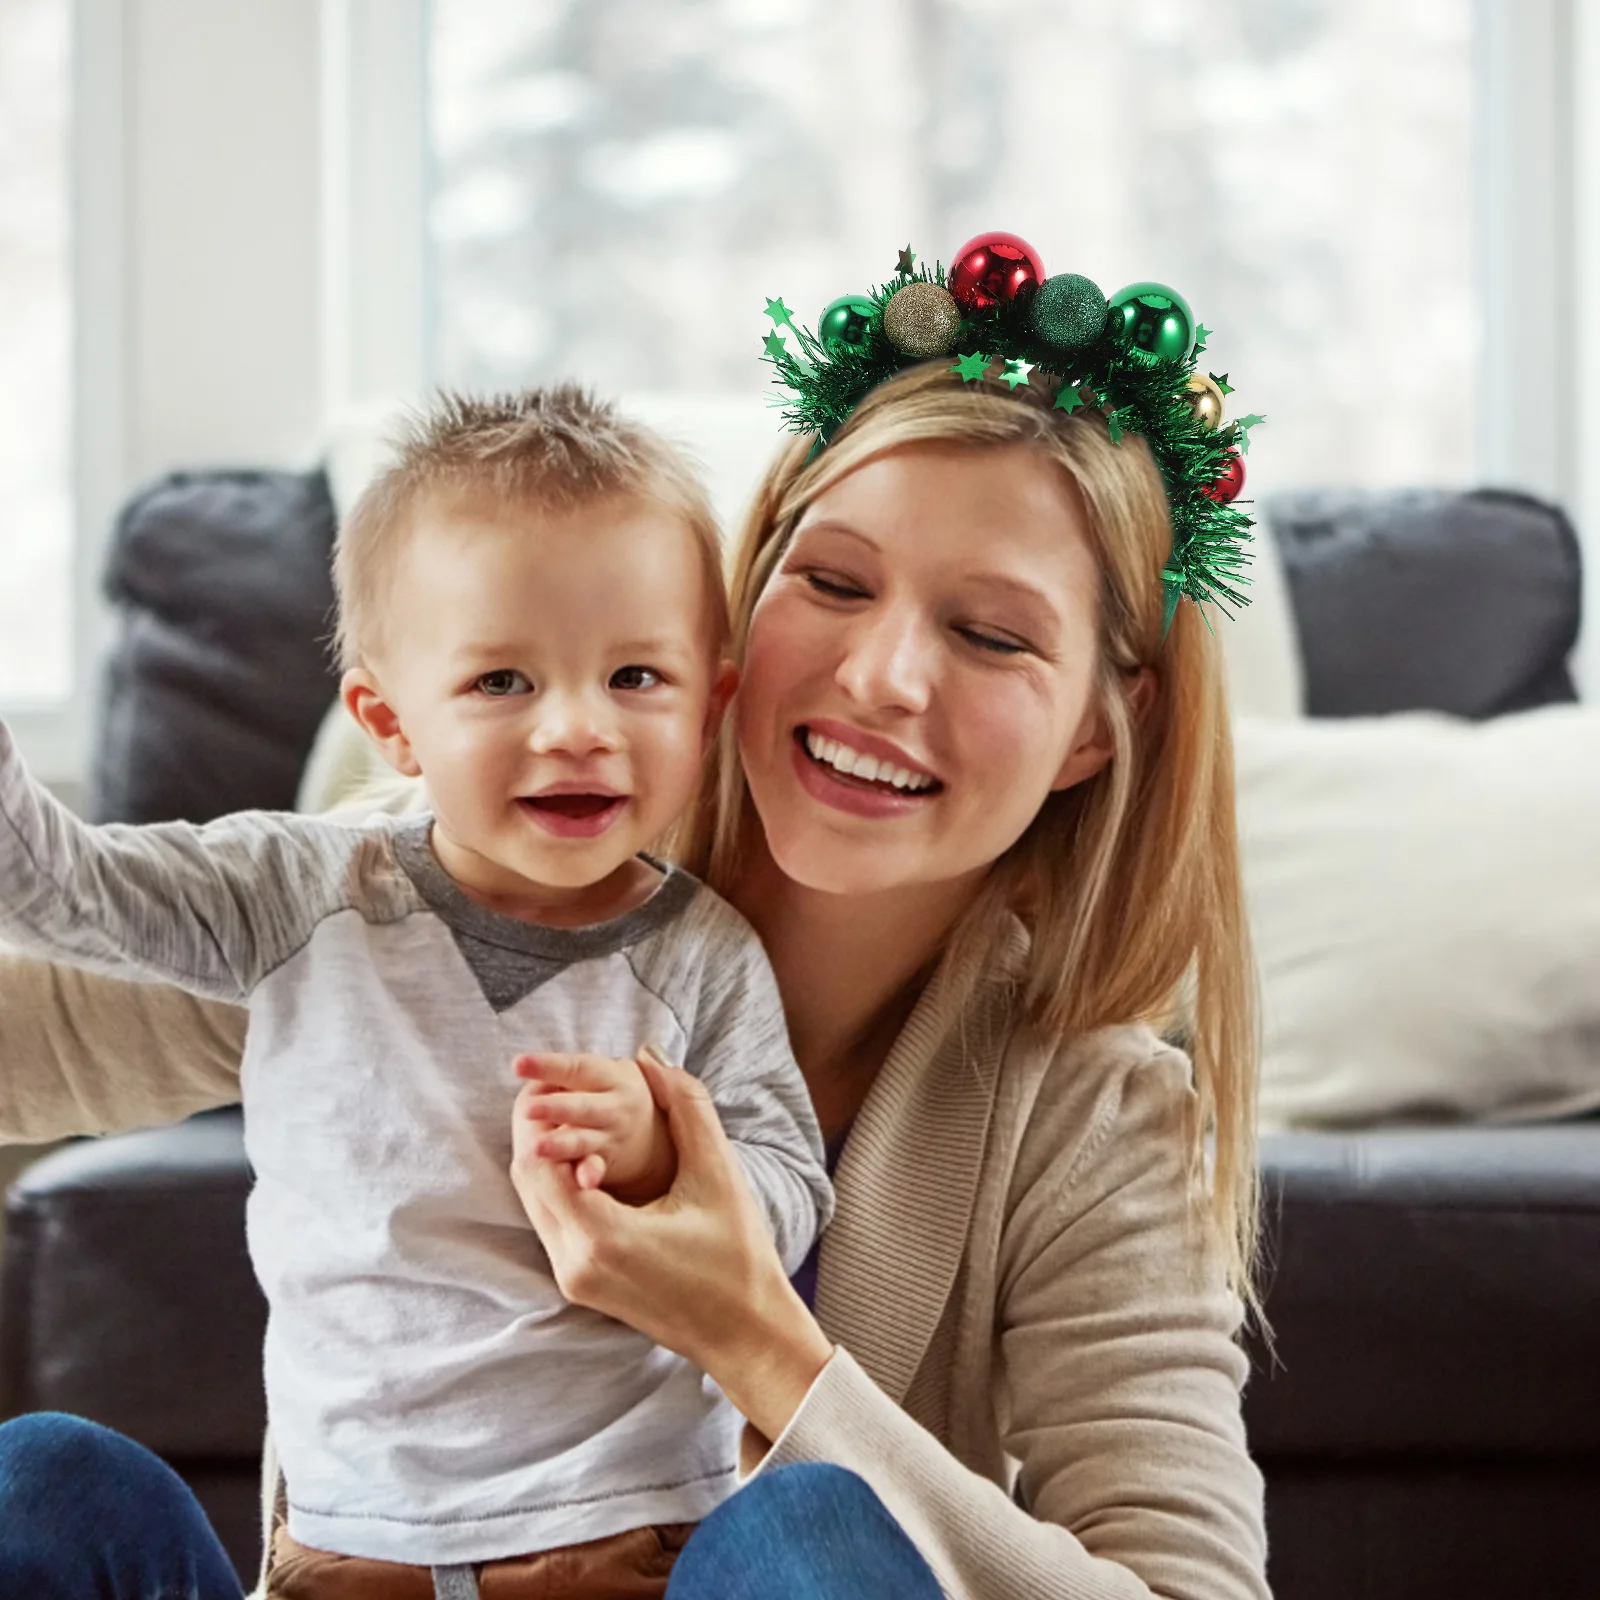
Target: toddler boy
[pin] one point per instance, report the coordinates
(532, 618)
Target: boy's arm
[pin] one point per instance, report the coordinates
(211, 909)
(739, 1048)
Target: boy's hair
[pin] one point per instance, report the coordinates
(553, 449)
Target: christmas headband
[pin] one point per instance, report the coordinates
(1131, 358)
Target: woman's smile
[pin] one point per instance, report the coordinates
(869, 792)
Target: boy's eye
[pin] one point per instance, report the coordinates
(502, 682)
(635, 678)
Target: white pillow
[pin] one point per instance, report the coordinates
(1425, 900)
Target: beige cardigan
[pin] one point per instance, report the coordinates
(1013, 1273)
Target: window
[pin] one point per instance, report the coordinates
(618, 184)
(36, 529)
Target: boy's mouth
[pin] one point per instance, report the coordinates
(577, 815)
(572, 805)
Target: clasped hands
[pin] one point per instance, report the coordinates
(643, 1209)
(601, 1117)
(639, 1199)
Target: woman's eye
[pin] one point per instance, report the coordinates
(996, 643)
(635, 678)
(505, 681)
(835, 588)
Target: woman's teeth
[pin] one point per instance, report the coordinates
(856, 764)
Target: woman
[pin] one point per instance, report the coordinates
(1035, 1258)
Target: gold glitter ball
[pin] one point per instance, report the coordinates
(922, 319)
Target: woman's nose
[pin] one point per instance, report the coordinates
(888, 661)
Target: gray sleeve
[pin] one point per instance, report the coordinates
(212, 909)
(739, 1048)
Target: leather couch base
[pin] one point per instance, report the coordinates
(1408, 1530)
(230, 1496)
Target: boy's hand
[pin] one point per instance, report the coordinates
(598, 1114)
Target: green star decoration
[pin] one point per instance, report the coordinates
(779, 312)
(1244, 425)
(775, 346)
(1068, 399)
(906, 262)
(1201, 334)
(1016, 373)
(1114, 428)
(1222, 382)
(973, 366)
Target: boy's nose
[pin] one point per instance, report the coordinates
(573, 724)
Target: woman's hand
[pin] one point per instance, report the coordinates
(695, 1271)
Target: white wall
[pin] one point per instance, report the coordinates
(223, 200)
(1539, 170)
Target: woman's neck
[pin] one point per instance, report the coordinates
(849, 968)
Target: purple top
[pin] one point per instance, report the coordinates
(805, 1279)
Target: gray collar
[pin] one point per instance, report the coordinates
(446, 899)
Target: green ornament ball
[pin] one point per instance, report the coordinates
(1151, 323)
(1068, 312)
(922, 319)
(847, 325)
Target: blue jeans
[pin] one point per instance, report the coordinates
(86, 1514)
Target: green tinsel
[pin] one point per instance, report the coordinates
(1209, 540)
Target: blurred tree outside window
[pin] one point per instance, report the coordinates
(618, 185)
(35, 354)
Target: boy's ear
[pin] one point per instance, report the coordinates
(364, 699)
(722, 687)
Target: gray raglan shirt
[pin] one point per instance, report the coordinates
(432, 1395)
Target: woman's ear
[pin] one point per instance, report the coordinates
(1093, 744)
(722, 687)
(364, 699)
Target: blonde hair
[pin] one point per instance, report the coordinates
(552, 449)
(1129, 882)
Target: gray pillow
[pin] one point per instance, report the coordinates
(218, 675)
(1424, 600)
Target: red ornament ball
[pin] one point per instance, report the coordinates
(1226, 489)
(994, 269)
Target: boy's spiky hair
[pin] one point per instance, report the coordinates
(553, 448)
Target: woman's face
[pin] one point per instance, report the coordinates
(920, 669)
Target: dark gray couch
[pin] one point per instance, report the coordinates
(1431, 1424)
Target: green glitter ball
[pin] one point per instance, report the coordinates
(1068, 312)
(847, 324)
(922, 320)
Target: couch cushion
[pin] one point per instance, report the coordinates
(218, 675)
(1422, 600)
(126, 1295)
(1428, 951)
(1435, 1293)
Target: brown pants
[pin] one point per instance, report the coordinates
(625, 1566)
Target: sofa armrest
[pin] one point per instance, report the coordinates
(126, 1294)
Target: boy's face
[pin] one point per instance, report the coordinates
(549, 674)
